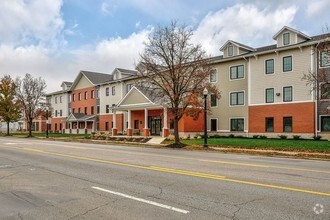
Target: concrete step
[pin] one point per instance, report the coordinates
(156, 140)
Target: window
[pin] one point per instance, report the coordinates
(86, 95)
(287, 124)
(287, 94)
(73, 110)
(85, 110)
(113, 90)
(97, 93)
(92, 110)
(73, 97)
(237, 124)
(136, 124)
(171, 124)
(269, 66)
(55, 113)
(107, 110)
(325, 123)
(107, 126)
(237, 72)
(60, 99)
(325, 91)
(98, 109)
(214, 126)
(287, 63)
(56, 100)
(325, 59)
(213, 76)
(128, 87)
(60, 112)
(107, 91)
(230, 51)
(214, 101)
(237, 98)
(270, 95)
(79, 96)
(269, 124)
(79, 110)
(92, 94)
(286, 38)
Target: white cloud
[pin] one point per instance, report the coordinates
(137, 24)
(317, 8)
(243, 23)
(29, 21)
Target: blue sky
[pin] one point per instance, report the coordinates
(55, 39)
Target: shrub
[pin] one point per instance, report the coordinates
(283, 137)
(263, 137)
(216, 136)
(317, 137)
(255, 136)
(240, 136)
(231, 136)
(296, 137)
(170, 137)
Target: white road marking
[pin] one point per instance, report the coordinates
(143, 200)
(5, 166)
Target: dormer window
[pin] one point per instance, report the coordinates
(230, 51)
(286, 38)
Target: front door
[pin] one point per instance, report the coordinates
(155, 125)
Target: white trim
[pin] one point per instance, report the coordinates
(216, 106)
(238, 117)
(319, 127)
(237, 92)
(291, 63)
(269, 74)
(130, 91)
(223, 130)
(287, 32)
(265, 95)
(237, 72)
(216, 75)
(280, 103)
(292, 93)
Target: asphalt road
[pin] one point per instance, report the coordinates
(65, 180)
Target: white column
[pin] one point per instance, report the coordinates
(85, 124)
(145, 118)
(114, 119)
(165, 118)
(129, 118)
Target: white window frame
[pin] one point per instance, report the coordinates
(232, 51)
(214, 71)
(265, 67)
(286, 33)
(215, 106)
(236, 92)
(237, 118)
(230, 79)
(292, 92)
(291, 63)
(211, 124)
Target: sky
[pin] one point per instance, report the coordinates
(55, 39)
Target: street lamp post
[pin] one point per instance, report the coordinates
(47, 122)
(205, 93)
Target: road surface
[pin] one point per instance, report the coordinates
(66, 180)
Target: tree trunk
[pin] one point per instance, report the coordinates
(176, 130)
(7, 128)
(30, 128)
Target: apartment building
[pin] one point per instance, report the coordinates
(262, 93)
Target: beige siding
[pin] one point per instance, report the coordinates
(60, 105)
(301, 63)
(111, 99)
(135, 97)
(224, 112)
(293, 38)
(83, 83)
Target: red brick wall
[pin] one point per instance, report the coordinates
(57, 121)
(302, 117)
(89, 102)
(108, 118)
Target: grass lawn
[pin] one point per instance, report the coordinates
(37, 134)
(275, 144)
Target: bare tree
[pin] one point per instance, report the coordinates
(30, 91)
(176, 70)
(318, 79)
(10, 109)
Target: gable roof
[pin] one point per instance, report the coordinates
(293, 30)
(79, 117)
(125, 71)
(93, 77)
(237, 44)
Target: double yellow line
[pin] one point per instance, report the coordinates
(169, 170)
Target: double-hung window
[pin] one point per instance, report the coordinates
(287, 64)
(113, 90)
(270, 95)
(269, 124)
(213, 76)
(230, 51)
(237, 98)
(107, 109)
(214, 101)
(287, 94)
(287, 124)
(237, 124)
(286, 38)
(107, 91)
(325, 59)
(237, 72)
(269, 66)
